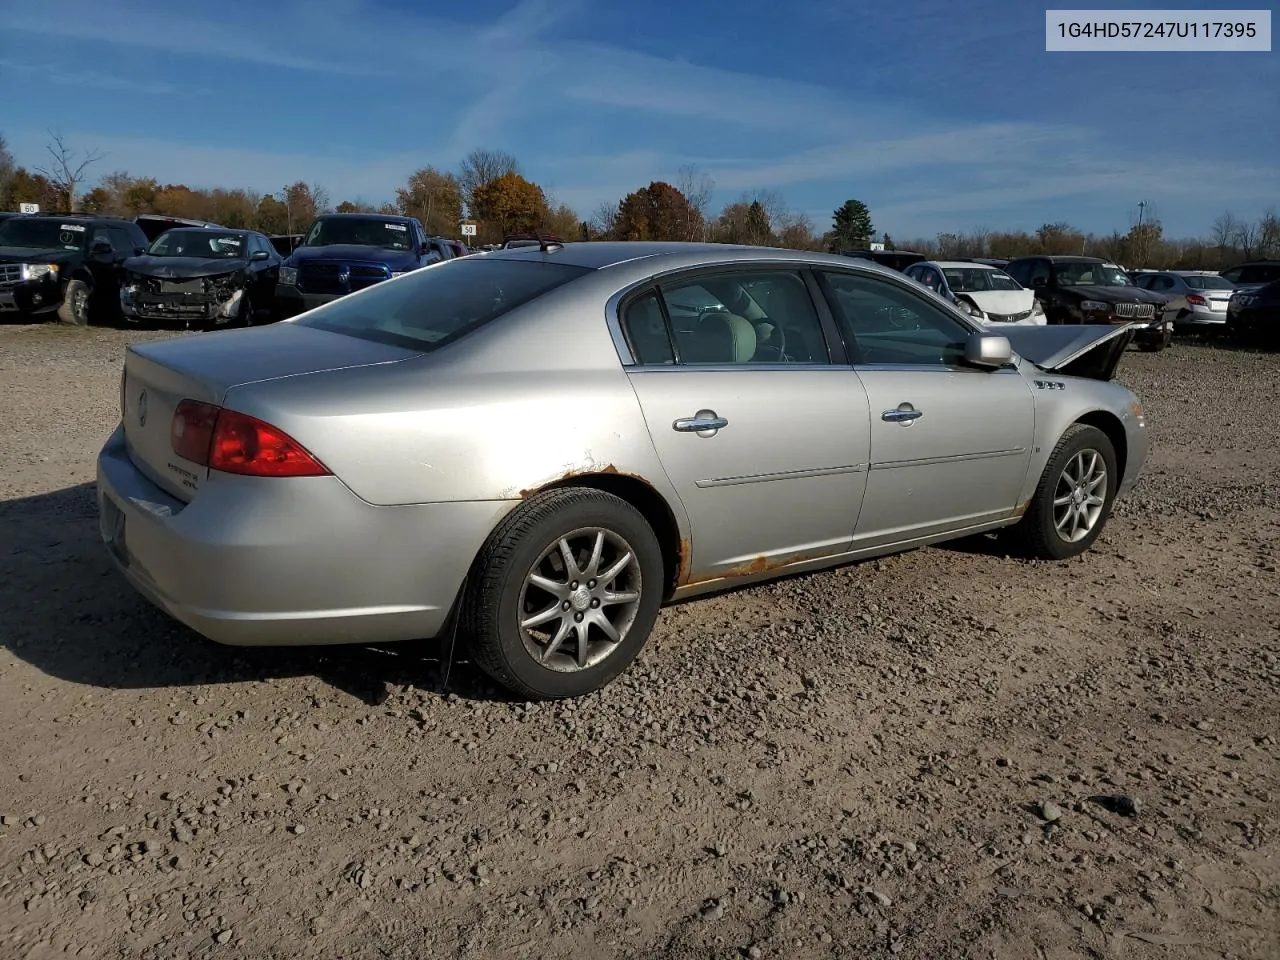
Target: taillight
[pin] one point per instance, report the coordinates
(1196, 300)
(191, 432)
(238, 443)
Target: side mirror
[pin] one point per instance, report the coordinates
(259, 255)
(985, 350)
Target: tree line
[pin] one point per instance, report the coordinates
(490, 190)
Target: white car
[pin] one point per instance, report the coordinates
(986, 293)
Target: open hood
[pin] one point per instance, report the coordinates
(1085, 350)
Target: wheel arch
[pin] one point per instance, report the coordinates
(653, 507)
(1113, 428)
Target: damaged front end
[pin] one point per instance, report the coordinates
(204, 301)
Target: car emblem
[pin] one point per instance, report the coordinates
(142, 409)
(344, 274)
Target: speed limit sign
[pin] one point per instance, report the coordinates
(468, 229)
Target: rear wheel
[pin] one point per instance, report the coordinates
(75, 304)
(1073, 499)
(565, 594)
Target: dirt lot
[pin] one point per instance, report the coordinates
(942, 754)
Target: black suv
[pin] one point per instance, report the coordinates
(65, 263)
(893, 259)
(1254, 274)
(345, 252)
(1090, 290)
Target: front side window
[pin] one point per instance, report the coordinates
(883, 322)
(750, 316)
(428, 308)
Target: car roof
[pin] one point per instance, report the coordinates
(601, 254)
(393, 217)
(78, 217)
(966, 264)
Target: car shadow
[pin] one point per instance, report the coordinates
(72, 615)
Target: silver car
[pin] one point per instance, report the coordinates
(1198, 298)
(538, 448)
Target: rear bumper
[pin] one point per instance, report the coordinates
(1255, 323)
(282, 562)
(1200, 317)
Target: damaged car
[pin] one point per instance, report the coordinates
(535, 449)
(201, 277)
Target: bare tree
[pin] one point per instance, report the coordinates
(605, 219)
(1269, 234)
(696, 187)
(481, 167)
(66, 172)
(1246, 238)
(1224, 233)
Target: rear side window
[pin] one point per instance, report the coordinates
(429, 308)
(646, 331)
(1260, 273)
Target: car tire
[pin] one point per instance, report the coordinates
(1041, 529)
(74, 309)
(501, 592)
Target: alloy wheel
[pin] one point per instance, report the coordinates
(1080, 496)
(580, 599)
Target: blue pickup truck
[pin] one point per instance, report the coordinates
(345, 252)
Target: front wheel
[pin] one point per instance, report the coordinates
(565, 594)
(75, 304)
(1073, 499)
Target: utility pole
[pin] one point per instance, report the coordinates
(1142, 207)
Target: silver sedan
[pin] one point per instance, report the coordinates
(536, 449)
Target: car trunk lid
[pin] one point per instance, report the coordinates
(158, 375)
(1084, 350)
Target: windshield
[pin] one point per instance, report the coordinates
(361, 231)
(976, 280)
(42, 234)
(1208, 282)
(206, 244)
(1085, 274)
(428, 308)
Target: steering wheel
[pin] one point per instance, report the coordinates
(778, 348)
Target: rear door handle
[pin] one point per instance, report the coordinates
(904, 414)
(704, 422)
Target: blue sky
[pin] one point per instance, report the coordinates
(940, 116)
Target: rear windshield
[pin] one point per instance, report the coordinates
(1259, 273)
(436, 305)
(1208, 282)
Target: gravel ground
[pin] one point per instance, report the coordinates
(942, 754)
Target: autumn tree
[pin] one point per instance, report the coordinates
(66, 169)
(656, 212)
(435, 198)
(27, 187)
(1059, 238)
(479, 169)
(851, 226)
(560, 220)
(1141, 241)
(272, 216)
(795, 232)
(508, 204)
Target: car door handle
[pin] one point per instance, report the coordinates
(905, 414)
(704, 420)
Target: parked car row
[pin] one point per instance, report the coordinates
(1238, 303)
(157, 269)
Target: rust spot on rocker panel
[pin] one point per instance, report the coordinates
(755, 567)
